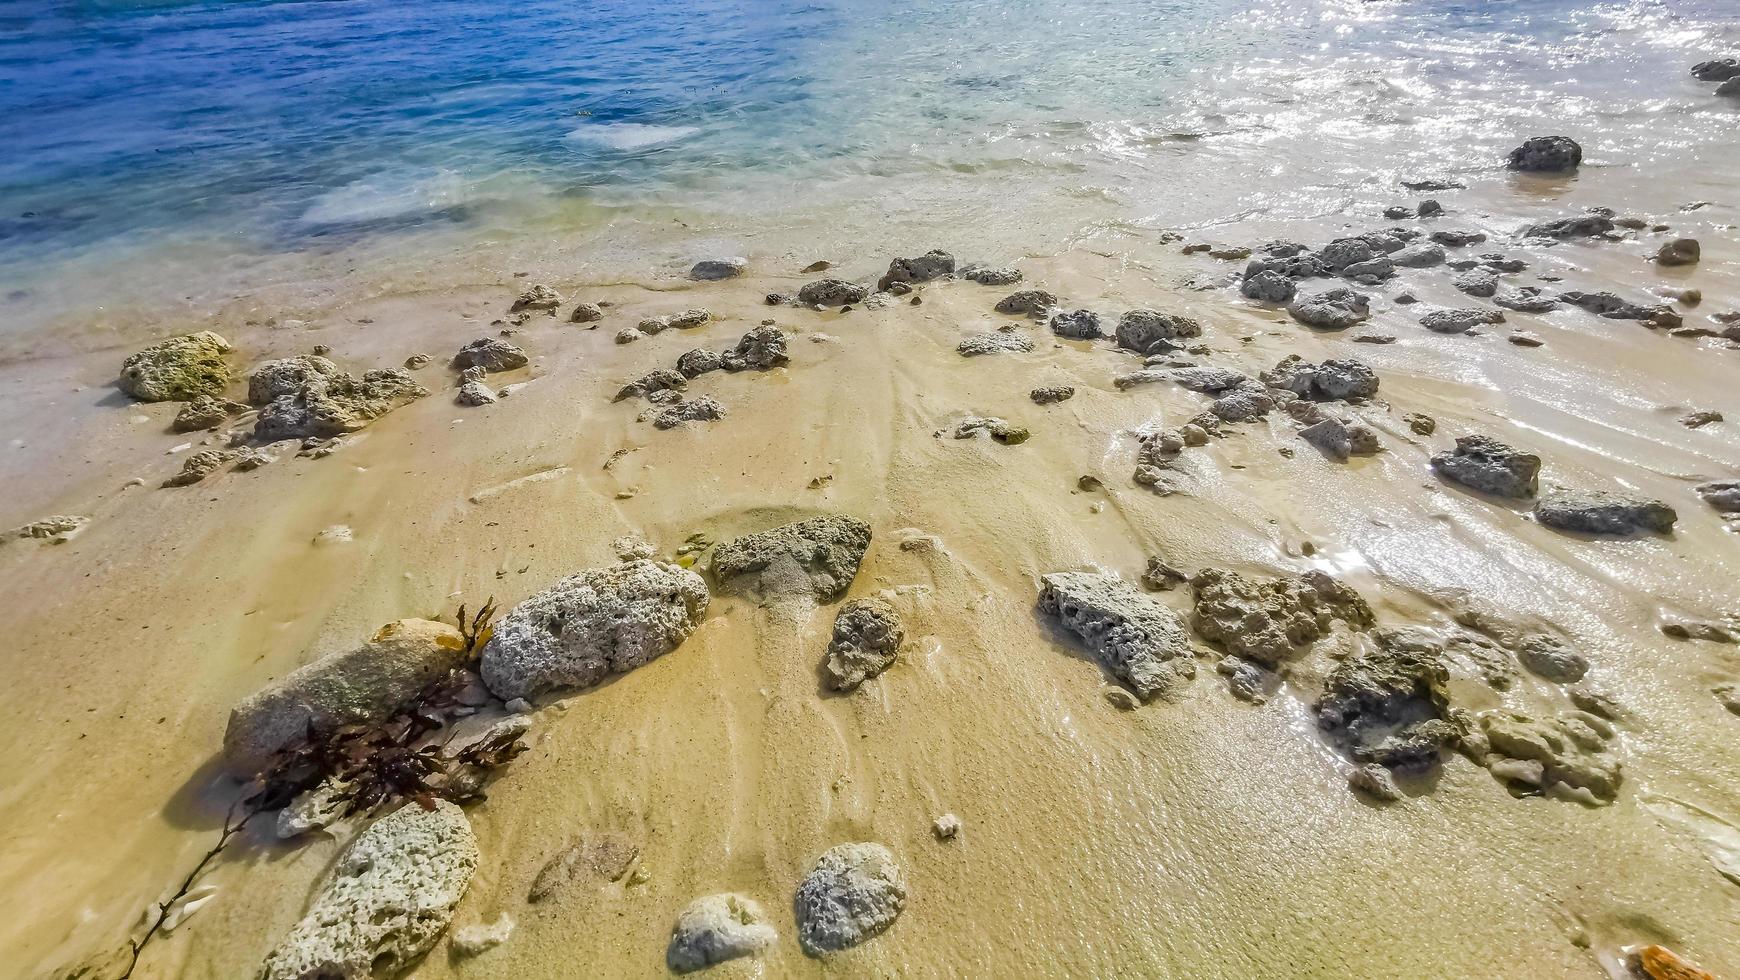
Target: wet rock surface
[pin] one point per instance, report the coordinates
(931, 265)
(177, 370)
(715, 929)
(817, 557)
(1144, 331)
(1031, 302)
(831, 292)
(693, 364)
(854, 893)
(363, 685)
(761, 349)
(1334, 309)
(491, 354)
(1268, 286)
(1139, 639)
(205, 412)
(1546, 154)
(1385, 704)
(538, 297)
(1603, 512)
(328, 406)
(994, 342)
(1485, 464)
(1269, 620)
(285, 375)
(391, 896)
(1000, 430)
(1569, 752)
(590, 625)
(1051, 395)
(1077, 325)
(867, 637)
(713, 270)
(199, 466)
(683, 320)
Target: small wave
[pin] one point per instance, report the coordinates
(630, 136)
(385, 198)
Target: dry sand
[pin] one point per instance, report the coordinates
(1203, 838)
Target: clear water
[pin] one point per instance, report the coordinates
(164, 136)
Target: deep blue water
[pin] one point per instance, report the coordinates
(268, 127)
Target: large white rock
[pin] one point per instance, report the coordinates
(854, 892)
(593, 624)
(391, 896)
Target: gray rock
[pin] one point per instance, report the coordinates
(199, 466)
(1680, 251)
(1246, 403)
(697, 362)
(475, 393)
(178, 369)
(205, 412)
(1343, 252)
(715, 929)
(1341, 438)
(1028, 301)
(1610, 305)
(1724, 495)
(1385, 705)
(867, 637)
(992, 277)
(586, 313)
(1577, 226)
(1430, 209)
(703, 409)
(1336, 379)
(392, 893)
(284, 376)
(1730, 87)
(832, 292)
(490, 353)
(712, 270)
(1267, 286)
(1546, 154)
(1458, 320)
(1476, 282)
(998, 429)
(478, 939)
(1335, 309)
(1546, 657)
(1601, 512)
(628, 335)
(1371, 270)
(1207, 380)
(1135, 636)
(1458, 238)
(1485, 464)
(1716, 70)
(1051, 395)
(994, 342)
(1143, 331)
(365, 685)
(761, 349)
(1077, 325)
(1525, 299)
(682, 320)
(537, 296)
(663, 379)
(854, 893)
(1376, 782)
(590, 625)
(1269, 620)
(816, 557)
(57, 528)
(933, 264)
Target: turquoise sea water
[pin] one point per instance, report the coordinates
(149, 132)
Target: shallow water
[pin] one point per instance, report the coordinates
(170, 148)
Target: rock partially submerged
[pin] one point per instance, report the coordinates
(199, 466)
(1334, 309)
(1139, 639)
(178, 369)
(1268, 620)
(993, 342)
(831, 292)
(933, 264)
(1385, 705)
(854, 893)
(328, 406)
(1485, 464)
(712, 270)
(715, 929)
(361, 686)
(682, 320)
(817, 557)
(1268, 286)
(57, 528)
(1588, 225)
(1603, 512)
(590, 625)
(1149, 331)
(1077, 325)
(392, 894)
(1724, 495)
(1454, 321)
(1033, 302)
(492, 354)
(1546, 154)
(867, 637)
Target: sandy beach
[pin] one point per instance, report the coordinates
(1555, 796)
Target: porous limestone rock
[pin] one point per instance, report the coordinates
(831, 292)
(761, 349)
(933, 264)
(1334, 309)
(1485, 464)
(854, 892)
(363, 685)
(538, 296)
(817, 557)
(993, 342)
(1077, 325)
(1385, 705)
(327, 406)
(684, 320)
(697, 362)
(717, 928)
(1144, 331)
(205, 412)
(867, 637)
(1603, 512)
(1570, 750)
(492, 354)
(1032, 302)
(590, 625)
(392, 894)
(199, 466)
(1268, 620)
(178, 369)
(1138, 638)
(703, 409)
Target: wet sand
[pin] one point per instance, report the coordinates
(1205, 837)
